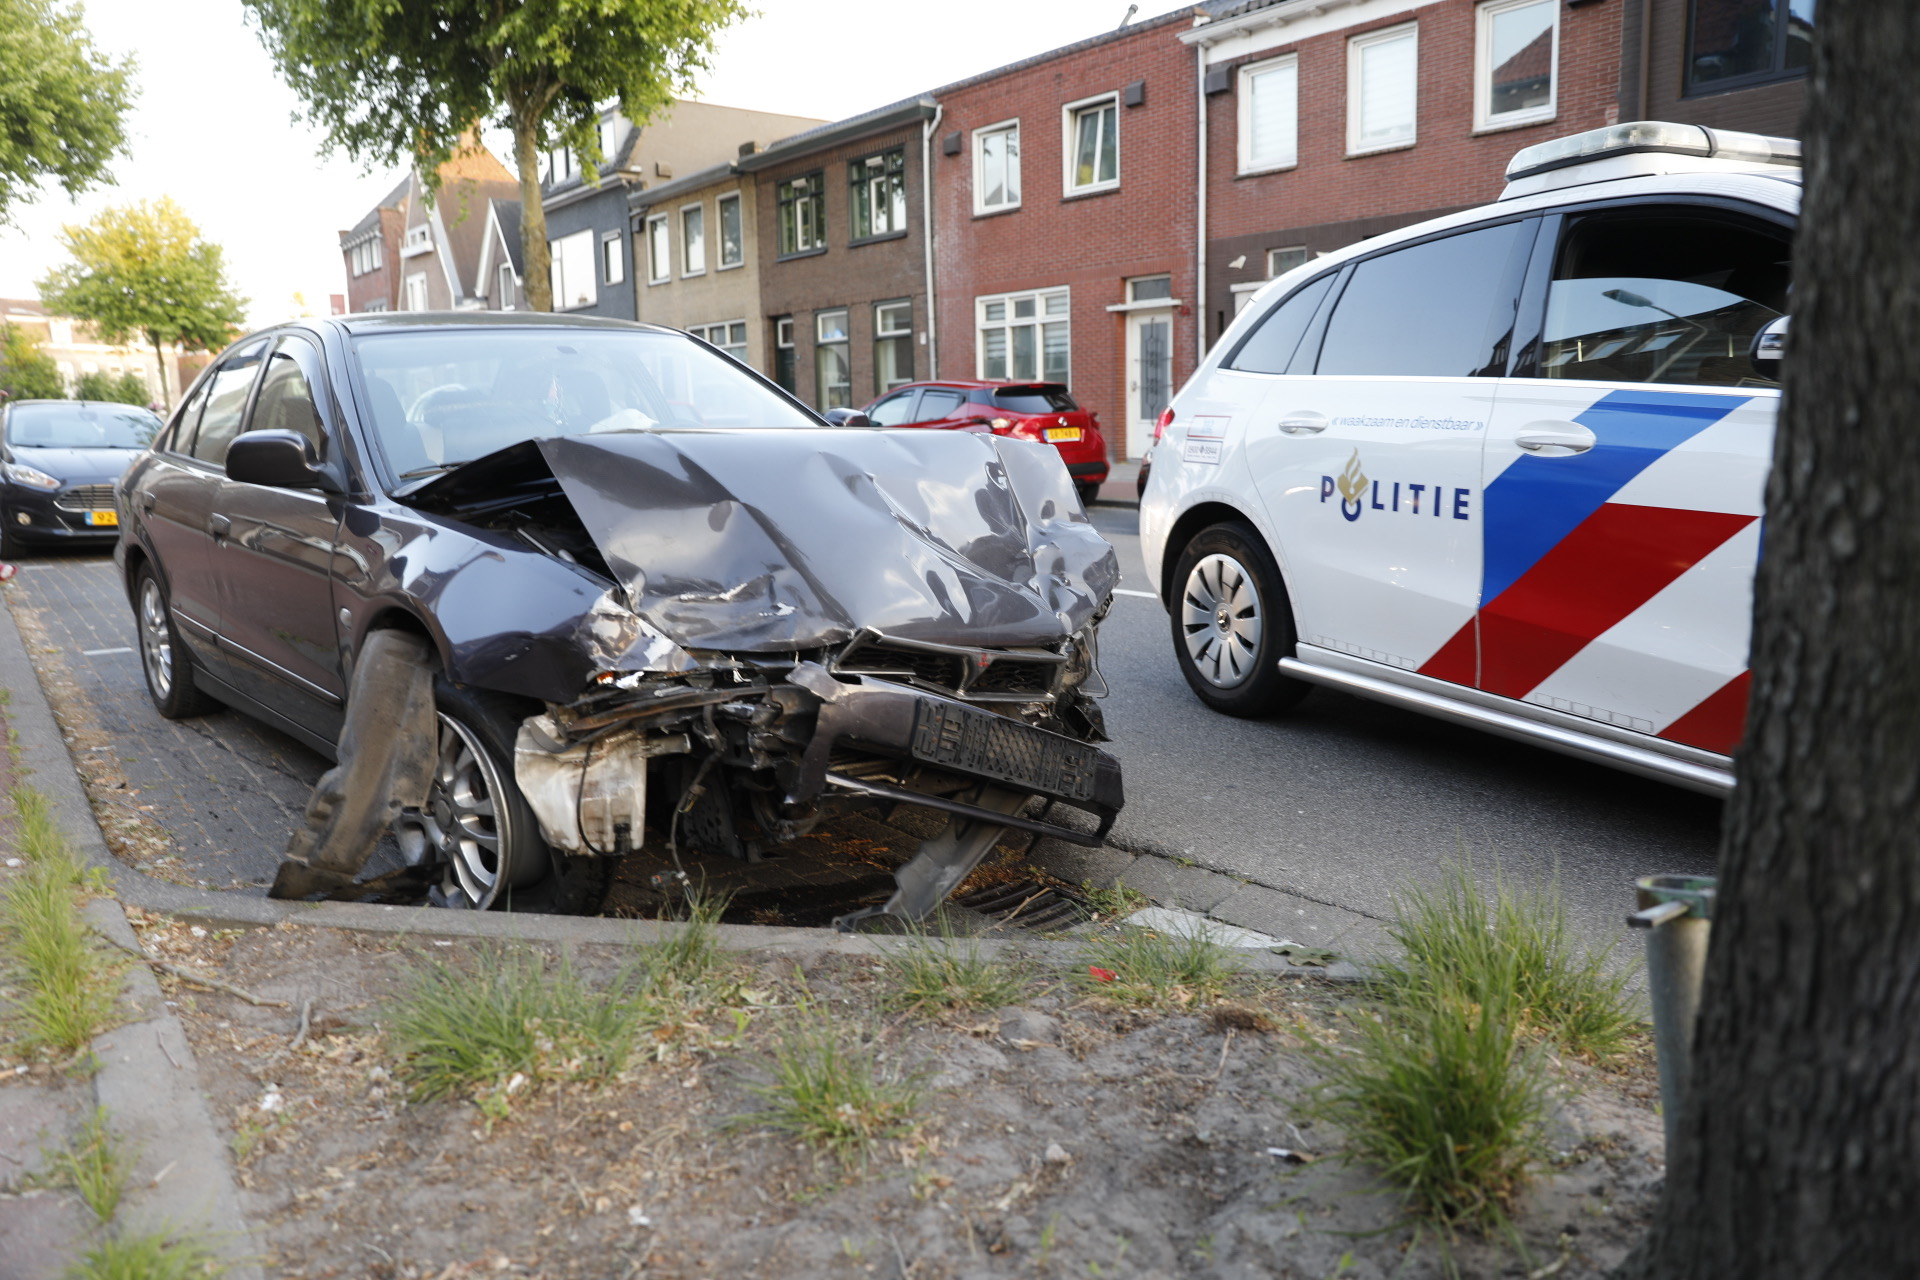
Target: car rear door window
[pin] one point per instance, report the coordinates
(1440, 309)
(1270, 347)
(1666, 296)
(936, 404)
(226, 404)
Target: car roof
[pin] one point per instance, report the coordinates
(972, 383)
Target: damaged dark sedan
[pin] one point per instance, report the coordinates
(552, 591)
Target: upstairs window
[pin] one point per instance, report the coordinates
(996, 168)
(1382, 89)
(572, 271)
(1737, 42)
(559, 166)
(693, 240)
(733, 241)
(1270, 115)
(803, 214)
(1093, 145)
(613, 262)
(659, 257)
(1515, 62)
(878, 194)
(509, 287)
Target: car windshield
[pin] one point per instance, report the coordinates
(444, 397)
(1044, 398)
(80, 426)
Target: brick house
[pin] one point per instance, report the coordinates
(438, 260)
(843, 278)
(372, 252)
(1328, 124)
(1729, 64)
(1064, 224)
(502, 271)
(697, 259)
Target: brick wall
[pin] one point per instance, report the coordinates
(853, 276)
(1773, 108)
(381, 284)
(1330, 199)
(1091, 243)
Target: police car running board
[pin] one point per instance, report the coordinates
(1618, 755)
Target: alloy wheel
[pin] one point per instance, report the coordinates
(156, 638)
(461, 830)
(1221, 618)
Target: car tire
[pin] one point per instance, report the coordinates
(164, 660)
(1089, 493)
(477, 832)
(1232, 623)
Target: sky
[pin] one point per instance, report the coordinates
(214, 126)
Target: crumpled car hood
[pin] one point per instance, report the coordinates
(771, 541)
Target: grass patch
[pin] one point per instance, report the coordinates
(690, 956)
(830, 1090)
(1501, 942)
(932, 974)
(1157, 968)
(1116, 903)
(510, 1022)
(67, 985)
(95, 1165)
(150, 1256)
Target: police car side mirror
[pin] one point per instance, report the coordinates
(1769, 345)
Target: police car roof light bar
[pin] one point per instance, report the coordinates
(1642, 136)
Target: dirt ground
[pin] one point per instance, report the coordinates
(1066, 1136)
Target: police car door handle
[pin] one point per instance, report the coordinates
(1554, 439)
(1303, 422)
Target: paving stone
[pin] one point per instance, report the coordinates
(1076, 863)
(1170, 884)
(1297, 919)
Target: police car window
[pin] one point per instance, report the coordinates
(1270, 346)
(1441, 309)
(1663, 297)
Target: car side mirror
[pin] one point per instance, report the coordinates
(1769, 346)
(278, 460)
(847, 418)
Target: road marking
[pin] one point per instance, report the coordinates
(101, 653)
(1144, 595)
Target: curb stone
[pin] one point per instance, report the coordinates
(147, 1080)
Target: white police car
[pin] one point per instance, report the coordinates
(1504, 467)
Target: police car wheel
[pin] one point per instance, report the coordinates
(1232, 623)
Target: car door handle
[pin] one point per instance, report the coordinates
(220, 525)
(1554, 439)
(1303, 422)
(146, 500)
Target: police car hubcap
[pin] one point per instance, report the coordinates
(1220, 615)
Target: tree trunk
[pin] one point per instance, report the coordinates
(1797, 1154)
(533, 215)
(160, 355)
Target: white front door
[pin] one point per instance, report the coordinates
(1149, 375)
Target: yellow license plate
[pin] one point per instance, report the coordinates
(1058, 435)
(107, 518)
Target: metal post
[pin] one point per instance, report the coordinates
(1677, 913)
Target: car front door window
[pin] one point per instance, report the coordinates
(226, 404)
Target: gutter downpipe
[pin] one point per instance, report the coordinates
(1200, 214)
(926, 234)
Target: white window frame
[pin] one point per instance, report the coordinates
(1069, 129)
(980, 136)
(1039, 320)
(659, 253)
(880, 335)
(418, 280)
(559, 282)
(1288, 248)
(1250, 163)
(715, 335)
(509, 285)
(613, 263)
(1484, 121)
(1356, 49)
(687, 268)
(720, 237)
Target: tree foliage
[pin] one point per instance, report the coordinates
(143, 270)
(402, 83)
(27, 372)
(125, 388)
(62, 103)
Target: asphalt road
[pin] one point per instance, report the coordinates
(1342, 799)
(1339, 802)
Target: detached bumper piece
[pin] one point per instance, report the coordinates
(1004, 762)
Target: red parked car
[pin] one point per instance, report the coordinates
(1025, 410)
